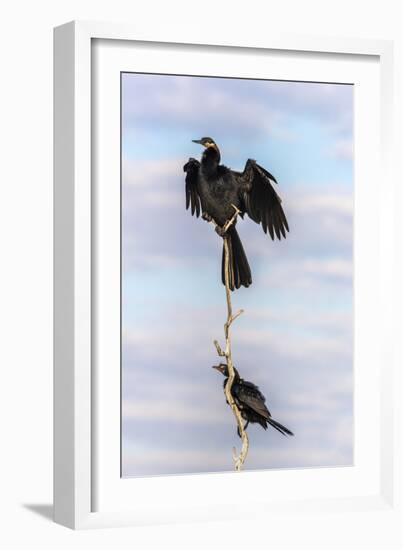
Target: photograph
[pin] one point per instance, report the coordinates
(237, 269)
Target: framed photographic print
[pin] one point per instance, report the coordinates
(220, 205)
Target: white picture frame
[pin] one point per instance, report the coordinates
(79, 477)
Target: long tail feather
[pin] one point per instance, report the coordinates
(239, 270)
(279, 427)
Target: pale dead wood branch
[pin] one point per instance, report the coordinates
(237, 315)
(218, 348)
(241, 457)
(232, 220)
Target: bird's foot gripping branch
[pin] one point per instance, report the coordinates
(240, 458)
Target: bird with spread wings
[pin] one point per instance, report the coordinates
(215, 191)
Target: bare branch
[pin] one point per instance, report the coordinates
(232, 220)
(236, 316)
(219, 350)
(238, 459)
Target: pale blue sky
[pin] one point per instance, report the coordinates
(295, 338)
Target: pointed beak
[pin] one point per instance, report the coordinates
(199, 141)
(220, 368)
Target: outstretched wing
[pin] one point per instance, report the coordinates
(192, 195)
(249, 395)
(261, 201)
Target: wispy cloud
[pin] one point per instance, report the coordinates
(256, 106)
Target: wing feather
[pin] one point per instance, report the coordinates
(249, 395)
(262, 203)
(192, 195)
(277, 224)
(270, 224)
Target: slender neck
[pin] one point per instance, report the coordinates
(210, 160)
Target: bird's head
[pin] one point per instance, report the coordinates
(211, 151)
(206, 142)
(223, 368)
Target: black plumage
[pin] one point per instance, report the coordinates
(213, 190)
(251, 402)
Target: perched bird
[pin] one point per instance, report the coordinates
(250, 402)
(213, 190)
